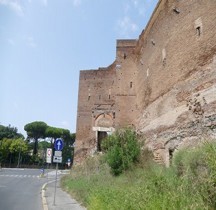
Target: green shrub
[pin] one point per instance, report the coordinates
(198, 167)
(189, 183)
(122, 149)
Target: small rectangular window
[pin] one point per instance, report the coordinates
(198, 30)
(198, 27)
(131, 84)
(109, 93)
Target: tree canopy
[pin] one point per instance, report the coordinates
(39, 129)
(15, 150)
(9, 132)
(12, 149)
(36, 130)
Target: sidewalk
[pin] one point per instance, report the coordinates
(63, 201)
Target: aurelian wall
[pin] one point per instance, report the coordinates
(126, 108)
(163, 83)
(176, 92)
(107, 100)
(96, 96)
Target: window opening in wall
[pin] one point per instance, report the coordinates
(131, 84)
(147, 72)
(171, 155)
(198, 30)
(118, 66)
(198, 26)
(125, 56)
(176, 10)
(164, 57)
(89, 95)
(101, 135)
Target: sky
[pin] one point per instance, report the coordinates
(45, 43)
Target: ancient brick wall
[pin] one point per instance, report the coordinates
(176, 92)
(96, 96)
(107, 100)
(163, 84)
(126, 109)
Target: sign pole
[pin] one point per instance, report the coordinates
(58, 145)
(55, 184)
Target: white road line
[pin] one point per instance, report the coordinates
(19, 176)
(2, 186)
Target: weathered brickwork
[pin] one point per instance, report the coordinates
(163, 84)
(107, 100)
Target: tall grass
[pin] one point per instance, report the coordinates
(190, 183)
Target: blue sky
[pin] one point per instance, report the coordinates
(45, 43)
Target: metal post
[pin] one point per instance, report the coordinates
(47, 171)
(55, 184)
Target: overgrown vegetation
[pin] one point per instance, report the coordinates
(190, 183)
(122, 150)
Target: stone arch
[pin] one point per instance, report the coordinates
(104, 120)
(103, 126)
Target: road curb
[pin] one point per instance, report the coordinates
(43, 190)
(44, 202)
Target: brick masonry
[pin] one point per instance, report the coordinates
(163, 84)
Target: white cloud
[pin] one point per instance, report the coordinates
(13, 5)
(31, 42)
(11, 41)
(126, 26)
(142, 11)
(135, 3)
(44, 2)
(77, 2)
(141, 6)
(135, 9)
(126, 8)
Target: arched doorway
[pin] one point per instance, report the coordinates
(103, 127)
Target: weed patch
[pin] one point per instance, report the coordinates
(190, 183)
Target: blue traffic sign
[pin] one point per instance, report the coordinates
(58, 145)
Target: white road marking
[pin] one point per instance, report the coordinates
(19, 176)
(2, 186)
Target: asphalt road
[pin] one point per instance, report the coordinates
(20, 189)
